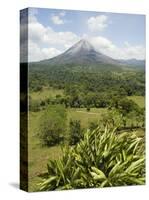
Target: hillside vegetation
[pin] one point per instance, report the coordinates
(74, 113)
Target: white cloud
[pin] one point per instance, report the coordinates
(34, 52)
(57, 20)
(41, 37)
(63, 13)
(37, 53)
(46, 43)
(102, 43)
(50, 51)
(98, 23)
(127, 51)
(59, 39)
(36, 31)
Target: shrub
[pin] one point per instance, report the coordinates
(43, 103)
(112, 118)
(88, 109)
(34, 105)
(124, 105)
(100, 159)
(52, 125)
(126, 111)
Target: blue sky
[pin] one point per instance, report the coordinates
(52, 31)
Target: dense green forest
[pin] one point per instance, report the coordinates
(85, 88)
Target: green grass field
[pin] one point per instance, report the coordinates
(140, 100)
(84, 116)
(45, 93)
(38, 155)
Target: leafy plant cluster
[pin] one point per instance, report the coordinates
(100, 159)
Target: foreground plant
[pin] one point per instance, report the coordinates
(100, 159)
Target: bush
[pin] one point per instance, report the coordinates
(34, 105)
(124, 105)
(112, 119)
(75, 133)
(100, 159)
(52, 125)
(88, 109)
(43, 103)
(126, 113)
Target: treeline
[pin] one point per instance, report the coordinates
(130, 83)
(85, 89)
(73, 98)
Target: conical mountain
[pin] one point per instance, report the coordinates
(81, 53)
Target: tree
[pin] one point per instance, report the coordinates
(52, 125)
(75, 133)
(137, 117)
(128, 110)
(123, 105)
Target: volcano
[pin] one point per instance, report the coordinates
(85, 55)
(81, 53)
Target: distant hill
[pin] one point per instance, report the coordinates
(133, 62)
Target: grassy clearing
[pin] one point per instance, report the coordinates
(45, 93)
(140, 100)
(84, 116)
(38, 155)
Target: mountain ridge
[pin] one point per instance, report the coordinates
(83, 53)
